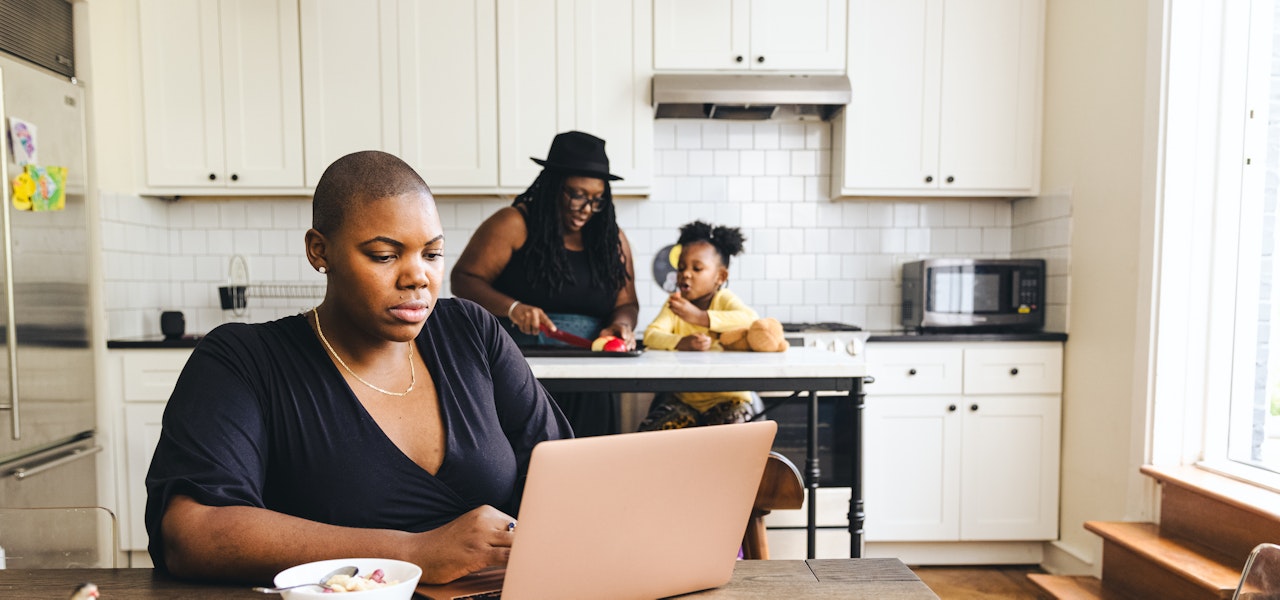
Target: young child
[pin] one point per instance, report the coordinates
(692, 319)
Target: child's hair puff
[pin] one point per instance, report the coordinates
(726, 240)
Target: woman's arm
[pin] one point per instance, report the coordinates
(482, 261)
(626, 309)
(250, 544)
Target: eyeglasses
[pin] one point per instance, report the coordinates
(579, 200)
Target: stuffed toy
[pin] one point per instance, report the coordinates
(764, 335)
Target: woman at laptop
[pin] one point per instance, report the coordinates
(385, 422)
(556, 258)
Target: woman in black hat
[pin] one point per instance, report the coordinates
(556, 259)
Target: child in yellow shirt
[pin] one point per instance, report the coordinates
(692, 319)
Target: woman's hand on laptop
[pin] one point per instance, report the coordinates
(478, 539)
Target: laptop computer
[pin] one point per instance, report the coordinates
(636, 515)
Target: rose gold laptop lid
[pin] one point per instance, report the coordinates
(636, 515)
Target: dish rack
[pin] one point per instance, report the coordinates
(236, 297)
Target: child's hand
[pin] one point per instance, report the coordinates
(697, 342)
(687, 311)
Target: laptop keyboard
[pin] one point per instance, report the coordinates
(494, 595)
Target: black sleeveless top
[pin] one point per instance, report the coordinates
(579, 297)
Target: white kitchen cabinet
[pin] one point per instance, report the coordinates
(973, 462)
(221, 94)
(741, 35)
(415, 79)
(948, 99)
(575, 65)
(146, 378)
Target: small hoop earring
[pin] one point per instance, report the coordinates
(322, 270)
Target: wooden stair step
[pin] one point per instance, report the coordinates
(1193, 570)
(1222, 513)
(1074, 587)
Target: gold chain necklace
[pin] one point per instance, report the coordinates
(413, 376)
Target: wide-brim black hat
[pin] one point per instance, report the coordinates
(578, 153)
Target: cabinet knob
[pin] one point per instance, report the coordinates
(973, 407)
(951, 408)
(213, 176)
(951, 179)
(911, 372)
(235, 177)
(928, 178)
(737, 58)
(1013, 371)
(760, 58)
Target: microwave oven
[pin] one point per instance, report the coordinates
(978, 294)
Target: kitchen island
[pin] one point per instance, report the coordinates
(804, 371)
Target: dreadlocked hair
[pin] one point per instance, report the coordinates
(544, 246)
(726, 240)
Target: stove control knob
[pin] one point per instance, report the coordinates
(812, 344)
(854, 347)
(833, 346)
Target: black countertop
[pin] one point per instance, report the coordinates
(904, 336)
(186, 341)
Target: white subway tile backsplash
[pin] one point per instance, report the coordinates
(702, 163)
(768, 135)
(727, 162)
(688, 135)
(806, 258)
(715, 135)
(957, 214)
(742, 136)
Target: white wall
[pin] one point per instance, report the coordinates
(1096, 145)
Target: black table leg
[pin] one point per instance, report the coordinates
(813, 472)
(857, 515)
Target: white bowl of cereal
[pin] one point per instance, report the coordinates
(376, 579)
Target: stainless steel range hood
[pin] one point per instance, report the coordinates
(749, 97)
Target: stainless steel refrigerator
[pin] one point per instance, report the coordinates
(47, 413)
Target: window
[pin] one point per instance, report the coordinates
(1216, 319)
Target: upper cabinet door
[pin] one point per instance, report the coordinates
(575, 64)
(537, 71)
(894, 55)
(221, 93)
(947, 99)
(707, 34)
(448, 98)
(613, 78)
(991, 94)
(262, 93)
(761, 35)
(182, 92)
(798, 35)
(349, 46)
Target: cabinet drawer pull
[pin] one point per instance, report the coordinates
(951, 408)
(911, 372)
(973, 407)
(928, 178)
(760, 59)
(1013, 371)
(737, 58)
(235, 177)
(951, 179)
(213, 176)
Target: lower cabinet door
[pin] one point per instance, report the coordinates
(911, 483)
(141, 434)
(1010, 468)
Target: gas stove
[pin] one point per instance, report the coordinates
(834, 337)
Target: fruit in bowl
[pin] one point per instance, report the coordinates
(375, 579)
(609, 343)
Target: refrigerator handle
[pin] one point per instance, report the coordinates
(11, 338)
(77, 454)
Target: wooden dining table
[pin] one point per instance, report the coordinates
(845, 578)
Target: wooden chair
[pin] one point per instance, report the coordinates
(781, 488)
